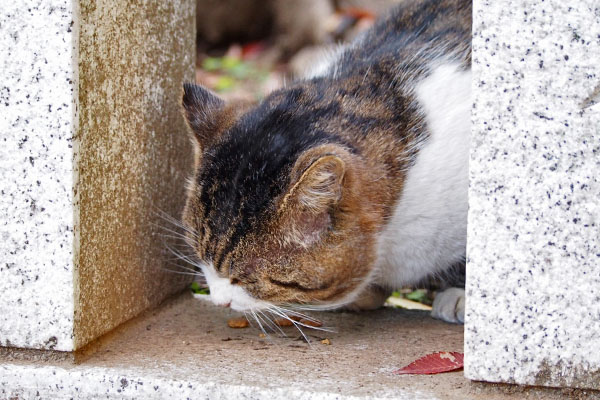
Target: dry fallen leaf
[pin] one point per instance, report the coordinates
(408, 304)
(434, 364)
(326, 341)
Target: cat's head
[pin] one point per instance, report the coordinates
(278, 210)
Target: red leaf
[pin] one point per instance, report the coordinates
(252, 50)
(435, 363)
(358, 13)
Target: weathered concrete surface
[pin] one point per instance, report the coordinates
(94, 147)
(533, 299)
(186, 350)
(132, 155)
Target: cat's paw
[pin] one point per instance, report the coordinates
(449, 306)
(371, 298)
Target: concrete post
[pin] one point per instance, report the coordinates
(533, 280)
(93, 148)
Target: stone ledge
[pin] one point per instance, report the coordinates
(185, 350)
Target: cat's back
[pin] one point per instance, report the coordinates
(379, 80)
(427, 47)
(423, 21)
(414, 34)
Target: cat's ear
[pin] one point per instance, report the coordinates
(317, 179)
(316, 187)
(320, 186)
(204, 112)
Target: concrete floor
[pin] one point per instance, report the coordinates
(186, 350)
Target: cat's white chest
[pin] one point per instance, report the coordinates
(428, 229)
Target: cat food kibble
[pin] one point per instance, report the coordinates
(289, 321)
(238, 323)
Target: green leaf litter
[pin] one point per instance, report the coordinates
(197, 289)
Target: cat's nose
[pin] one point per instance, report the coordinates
(226, 305)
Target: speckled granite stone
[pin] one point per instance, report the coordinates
(36, 215)
(533, 280)
(94, 147)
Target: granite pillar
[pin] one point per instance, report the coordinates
(93, 149)
(533, 272)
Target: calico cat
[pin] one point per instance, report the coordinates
(345, 184)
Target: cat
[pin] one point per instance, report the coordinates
(345, 184)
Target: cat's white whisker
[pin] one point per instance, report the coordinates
(188, 269)
(258, 322)
(316, 307)
(295, 323)
(272, 324)
(176, 235)
(178, 272)
(287, 312)
(183, 270)
(295, 313)
(177, 248)
(171, 236)
(267, 326)
(186, 259)
(247, 316)
(177, 223)
(182, 256)
(169, 218)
